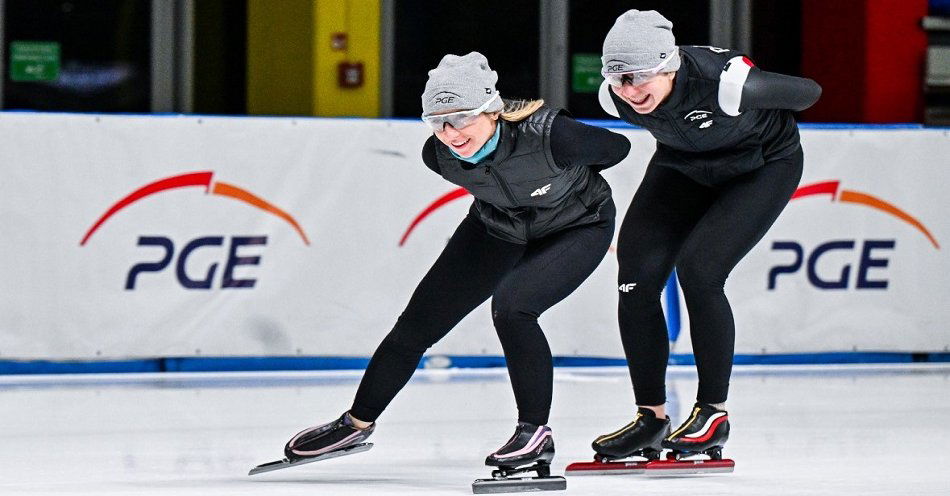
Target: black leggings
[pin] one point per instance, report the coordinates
(523, 281)
(704, 231)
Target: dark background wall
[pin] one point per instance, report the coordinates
(864, 52)
(220, 58)
(105, 51)
(505, 31)
(777, 36)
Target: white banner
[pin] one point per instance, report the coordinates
(137, 236)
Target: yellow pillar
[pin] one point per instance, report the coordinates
(360, 21)
(293, 65)
(280, 62)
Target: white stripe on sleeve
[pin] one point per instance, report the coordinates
(731, 82)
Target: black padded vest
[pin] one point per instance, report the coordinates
(520, 192)
(697, 138)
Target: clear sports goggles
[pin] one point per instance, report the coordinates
(458, 120)
(639, 77)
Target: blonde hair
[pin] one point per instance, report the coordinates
(519, 110)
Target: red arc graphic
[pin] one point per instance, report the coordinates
(442, 200)
(194, 179)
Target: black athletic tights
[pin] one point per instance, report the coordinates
(704, 231)
(522, 280)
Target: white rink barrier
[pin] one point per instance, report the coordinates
(143, 236)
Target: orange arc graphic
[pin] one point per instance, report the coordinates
(879, 204)
(231, 191)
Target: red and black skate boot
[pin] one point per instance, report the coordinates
(704, 433)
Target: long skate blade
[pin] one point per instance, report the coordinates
(606, 468)
(519, 485)
(679, 467)
(285, 463)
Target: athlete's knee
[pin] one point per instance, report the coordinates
(639, 286)
(511, 313)
(639, 277)
(696, 275)
(412, 335)
(628, 252)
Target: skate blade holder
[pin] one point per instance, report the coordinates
(519, 485)
(685, 467)
(501, 482)
(285, 463)
(606, 468)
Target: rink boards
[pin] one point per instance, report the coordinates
(143, 236)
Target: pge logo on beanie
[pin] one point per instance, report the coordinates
(616, 66)
(446, 97)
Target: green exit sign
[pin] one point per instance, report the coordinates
(585, 72)
(34, 61)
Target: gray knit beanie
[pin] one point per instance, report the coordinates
(461, 83)
(640, 40)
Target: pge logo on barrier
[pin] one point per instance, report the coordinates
(867, 254)
(232, 258)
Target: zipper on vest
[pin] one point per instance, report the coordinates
(501, 184)
(511, 197)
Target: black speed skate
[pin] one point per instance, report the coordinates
(530, 449)
(330, 440)
(640, 438)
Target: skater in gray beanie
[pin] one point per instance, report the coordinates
(728, 158)
(541, 221)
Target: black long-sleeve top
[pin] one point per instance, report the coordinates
(573, 144)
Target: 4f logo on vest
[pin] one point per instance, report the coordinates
(626, 288)
(542, 190)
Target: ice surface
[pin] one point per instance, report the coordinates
(861, 430)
